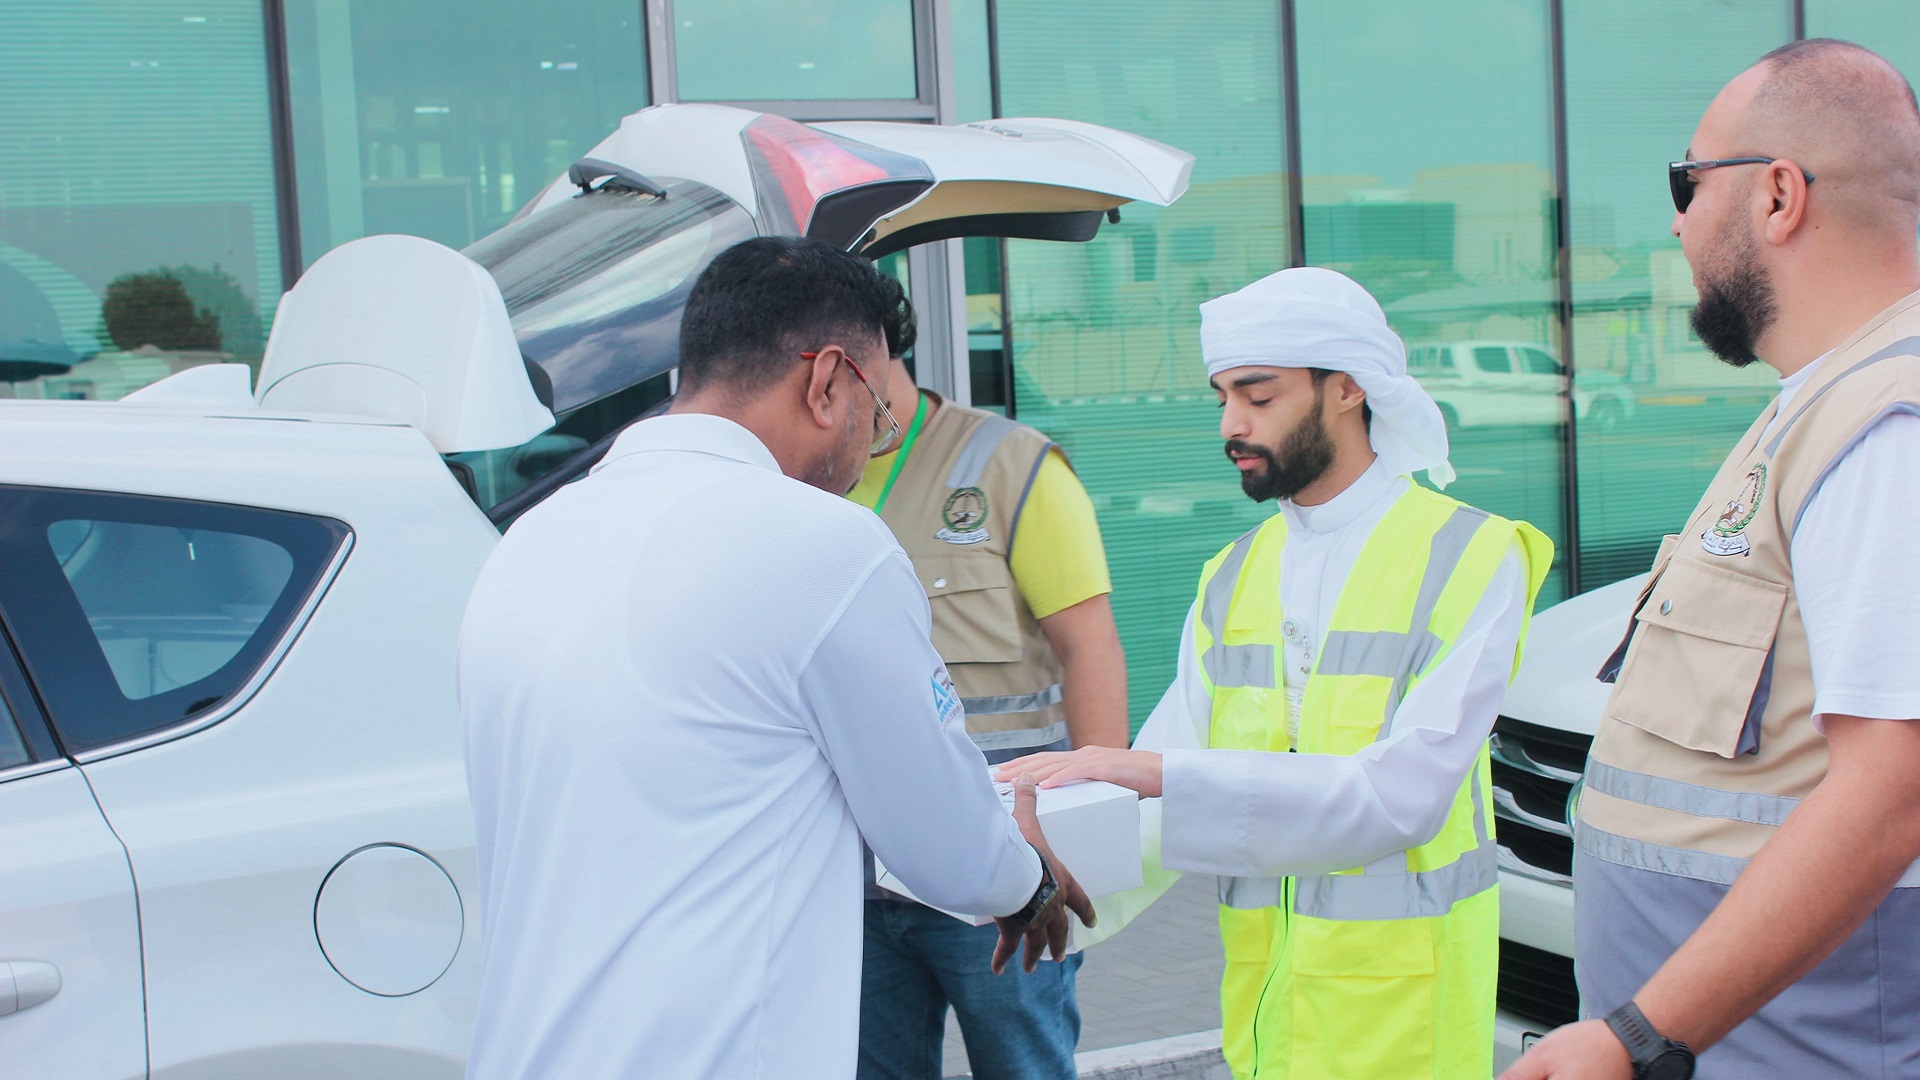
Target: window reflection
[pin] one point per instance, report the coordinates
(1662, 411)
(854, 49)
(1427, 149)
(441, 118)
(137, 227)
(1106, 334)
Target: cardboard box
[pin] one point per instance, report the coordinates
(1093, 829)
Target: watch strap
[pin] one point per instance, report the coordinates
(1644, 1044)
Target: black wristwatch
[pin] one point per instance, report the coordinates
(1042, 896)
(1655, 1057)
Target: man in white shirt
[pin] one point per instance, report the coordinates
(691, 683)
(1323, 747)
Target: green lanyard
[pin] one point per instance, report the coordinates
(906, 447)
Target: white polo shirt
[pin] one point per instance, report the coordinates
(690, 685)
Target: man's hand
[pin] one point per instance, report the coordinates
(1136, 769)
(1588, 1050)
(1049, 929)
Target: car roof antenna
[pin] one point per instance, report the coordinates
(585, 171)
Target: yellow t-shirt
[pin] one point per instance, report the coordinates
(1057, 558)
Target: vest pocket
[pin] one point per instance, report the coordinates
(1363, 1002)
(975, 614)
(1699, 647)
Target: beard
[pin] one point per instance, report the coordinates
(1737, 308)
(1303, 456)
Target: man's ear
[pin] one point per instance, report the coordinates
(1347, 395)
(818, 386)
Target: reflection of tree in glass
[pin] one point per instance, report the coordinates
(217, 292)
(154, 309)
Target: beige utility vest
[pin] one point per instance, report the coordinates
(1707, 743)
(955, 508)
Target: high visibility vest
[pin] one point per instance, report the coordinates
(1385, 970)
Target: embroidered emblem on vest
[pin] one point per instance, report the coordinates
(965, 513)
(1728, 536)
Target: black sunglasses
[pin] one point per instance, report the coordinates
(1682, 188)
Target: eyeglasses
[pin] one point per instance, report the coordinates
(885, 437)
(1682, 188)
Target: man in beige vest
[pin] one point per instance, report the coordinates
(1004, 540)
(1745, 884)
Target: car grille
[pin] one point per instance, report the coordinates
(1534, 772)
(1537, 985)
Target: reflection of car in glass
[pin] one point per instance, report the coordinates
(1539, 752)
(1513, 383)
(234, 837)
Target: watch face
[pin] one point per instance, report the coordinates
(1672, 1064)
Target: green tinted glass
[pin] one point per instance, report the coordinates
(137, 221)
(730, 50)
(1888, 27)
(1426, 137)
(442, 120)
(1673, 411)
(1105, 334)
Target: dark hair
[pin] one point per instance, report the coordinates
(764, 301)
(901, 328)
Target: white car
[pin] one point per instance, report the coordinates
(234, 834)
(1540, 747)
(1485, 383)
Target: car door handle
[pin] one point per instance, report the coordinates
(26, 983)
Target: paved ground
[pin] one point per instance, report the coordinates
(1158, 977)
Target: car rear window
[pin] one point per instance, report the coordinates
(134, 614)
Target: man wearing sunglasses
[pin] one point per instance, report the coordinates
(1005, 542)
(692, 683)
(1746, 886)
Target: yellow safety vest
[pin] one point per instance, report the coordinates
(1384, 971)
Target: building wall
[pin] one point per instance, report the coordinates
(1428, 150)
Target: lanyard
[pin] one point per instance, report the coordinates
(906, 447)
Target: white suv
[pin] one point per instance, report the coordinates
(1540, 747)
(1487, 383)
(234, 834)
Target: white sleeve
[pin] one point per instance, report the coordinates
(1180, 721)
(1857, 581)
(1255, 813)
(881, 706)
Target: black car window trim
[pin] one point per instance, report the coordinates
(289, 616)
(21, 708)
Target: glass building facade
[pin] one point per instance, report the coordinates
(1490, 169)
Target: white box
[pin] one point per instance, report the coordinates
(1093, 828)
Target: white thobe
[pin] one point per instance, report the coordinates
(1256, 813)
(689, 686)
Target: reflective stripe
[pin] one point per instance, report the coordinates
(1659, 858)
(1363, 652)
(1240, 665)
(1219, 594)
(1020, 738)
(1250, 893)
(1480, 834)
(1904, 347)
(1688, 798)
(1232, 665)
(971, 463)
(1417, 895)
(1449, 546)
(1002, 704)
(1679, 862)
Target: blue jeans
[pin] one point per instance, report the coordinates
(1017, 1026)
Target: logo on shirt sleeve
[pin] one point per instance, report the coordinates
(946, 700)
